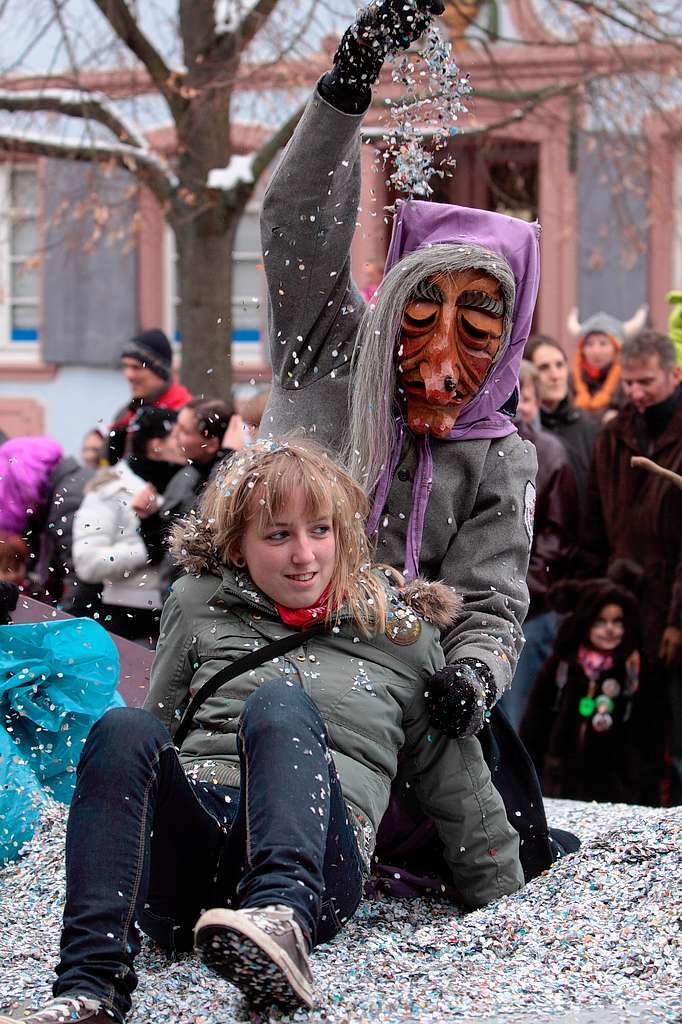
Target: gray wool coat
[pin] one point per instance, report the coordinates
(478, 525)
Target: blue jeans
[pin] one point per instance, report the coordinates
(147, 845)
(539, 633)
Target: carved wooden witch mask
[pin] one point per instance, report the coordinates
(450, 335)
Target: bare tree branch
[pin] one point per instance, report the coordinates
(73, 103)
(254, 21)
(145, 166)
(639, 26)
(129, 32)
(639, 462)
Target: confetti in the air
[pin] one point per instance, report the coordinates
(422, 121)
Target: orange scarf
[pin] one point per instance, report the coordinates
(581, 369)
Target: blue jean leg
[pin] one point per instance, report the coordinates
(539, 633)
(133, 811)
(145, 844)
(298, 839)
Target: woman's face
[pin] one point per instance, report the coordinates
(91, 452)
(608, 629)
(165, 449)
(293, 559)
(550, 362)
(598, 350)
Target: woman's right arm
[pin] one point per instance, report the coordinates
(172, 669)
(453, 786)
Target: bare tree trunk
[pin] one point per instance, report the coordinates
(204, 245)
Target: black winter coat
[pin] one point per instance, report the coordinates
(555, 530)
(573, 759)
(577, 431)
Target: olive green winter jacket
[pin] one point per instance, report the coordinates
(370, 694)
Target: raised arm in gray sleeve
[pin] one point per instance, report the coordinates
(307, 224)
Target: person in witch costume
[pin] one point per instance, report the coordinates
(415, 389)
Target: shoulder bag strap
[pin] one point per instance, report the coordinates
(236, 668)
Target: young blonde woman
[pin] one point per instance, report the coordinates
(268, 813)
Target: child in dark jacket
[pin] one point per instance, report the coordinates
(583, 720)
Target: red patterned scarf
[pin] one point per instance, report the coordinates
(300, 618)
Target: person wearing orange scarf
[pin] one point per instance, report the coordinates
(596, 363)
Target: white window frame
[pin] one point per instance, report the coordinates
(14, 350)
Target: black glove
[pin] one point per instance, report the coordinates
(9, 595)
(378, 30)
(459, 696)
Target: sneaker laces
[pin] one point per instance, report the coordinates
(274, 920)
(65, 1008)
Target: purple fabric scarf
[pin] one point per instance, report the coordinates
(419, 224)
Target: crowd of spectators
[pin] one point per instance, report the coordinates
(597, 694)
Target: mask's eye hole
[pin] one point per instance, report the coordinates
(473, 331)
(419, 316)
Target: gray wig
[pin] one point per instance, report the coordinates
(372, 393)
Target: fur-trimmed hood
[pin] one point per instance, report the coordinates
(192, 543)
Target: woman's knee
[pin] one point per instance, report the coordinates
(279, 703)
(119, 733)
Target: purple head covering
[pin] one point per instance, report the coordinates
(420, 224)
(26, 464)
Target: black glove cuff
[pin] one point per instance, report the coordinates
(342, 95)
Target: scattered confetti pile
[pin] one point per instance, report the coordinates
(596, 939)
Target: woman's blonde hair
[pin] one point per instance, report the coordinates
(258, 483)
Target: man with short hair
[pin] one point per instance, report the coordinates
(635, 514)
(147, 365)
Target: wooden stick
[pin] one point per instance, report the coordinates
(639, 462)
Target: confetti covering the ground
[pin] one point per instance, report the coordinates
(596, 939)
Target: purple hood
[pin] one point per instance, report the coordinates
(419, 224)
(26, 464)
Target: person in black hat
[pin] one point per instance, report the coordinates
(147, 364)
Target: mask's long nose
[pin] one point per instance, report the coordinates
(440, 381)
